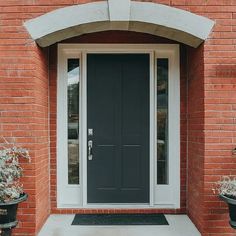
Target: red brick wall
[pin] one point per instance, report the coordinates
(53, 127)
(24, 109)
(220, 113)
(195, 136)
(41, 134)
(24, 120)
(35, 135)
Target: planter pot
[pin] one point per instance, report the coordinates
(8, 212)
(232, 209)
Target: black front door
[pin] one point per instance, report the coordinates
(118, 128)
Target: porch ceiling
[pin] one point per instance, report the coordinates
(145, 17)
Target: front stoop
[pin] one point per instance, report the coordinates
(60, 225)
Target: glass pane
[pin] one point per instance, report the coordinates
(73, 72)
(162, 121)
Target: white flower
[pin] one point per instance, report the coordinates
(10, 172)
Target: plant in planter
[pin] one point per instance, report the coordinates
(11, 190)
(226, 188)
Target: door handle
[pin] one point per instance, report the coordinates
(90, 150)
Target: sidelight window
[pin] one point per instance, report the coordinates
(73, 120)
(162, 121)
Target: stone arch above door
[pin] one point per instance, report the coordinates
(146, 17)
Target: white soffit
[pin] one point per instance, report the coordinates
(146, 17)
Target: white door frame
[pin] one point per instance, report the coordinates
(161, 196)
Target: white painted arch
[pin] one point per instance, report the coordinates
(145, 17)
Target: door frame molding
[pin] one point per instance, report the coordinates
(161, 196)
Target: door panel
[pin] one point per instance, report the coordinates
(118, 113)
(131, 160)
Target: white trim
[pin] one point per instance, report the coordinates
(64, 190)
(117, 206)
(83, 115)
(152, 127)
(146, 17)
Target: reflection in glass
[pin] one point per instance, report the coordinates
(162, 121)
(73, 72)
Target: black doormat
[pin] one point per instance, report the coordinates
(120, 219)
